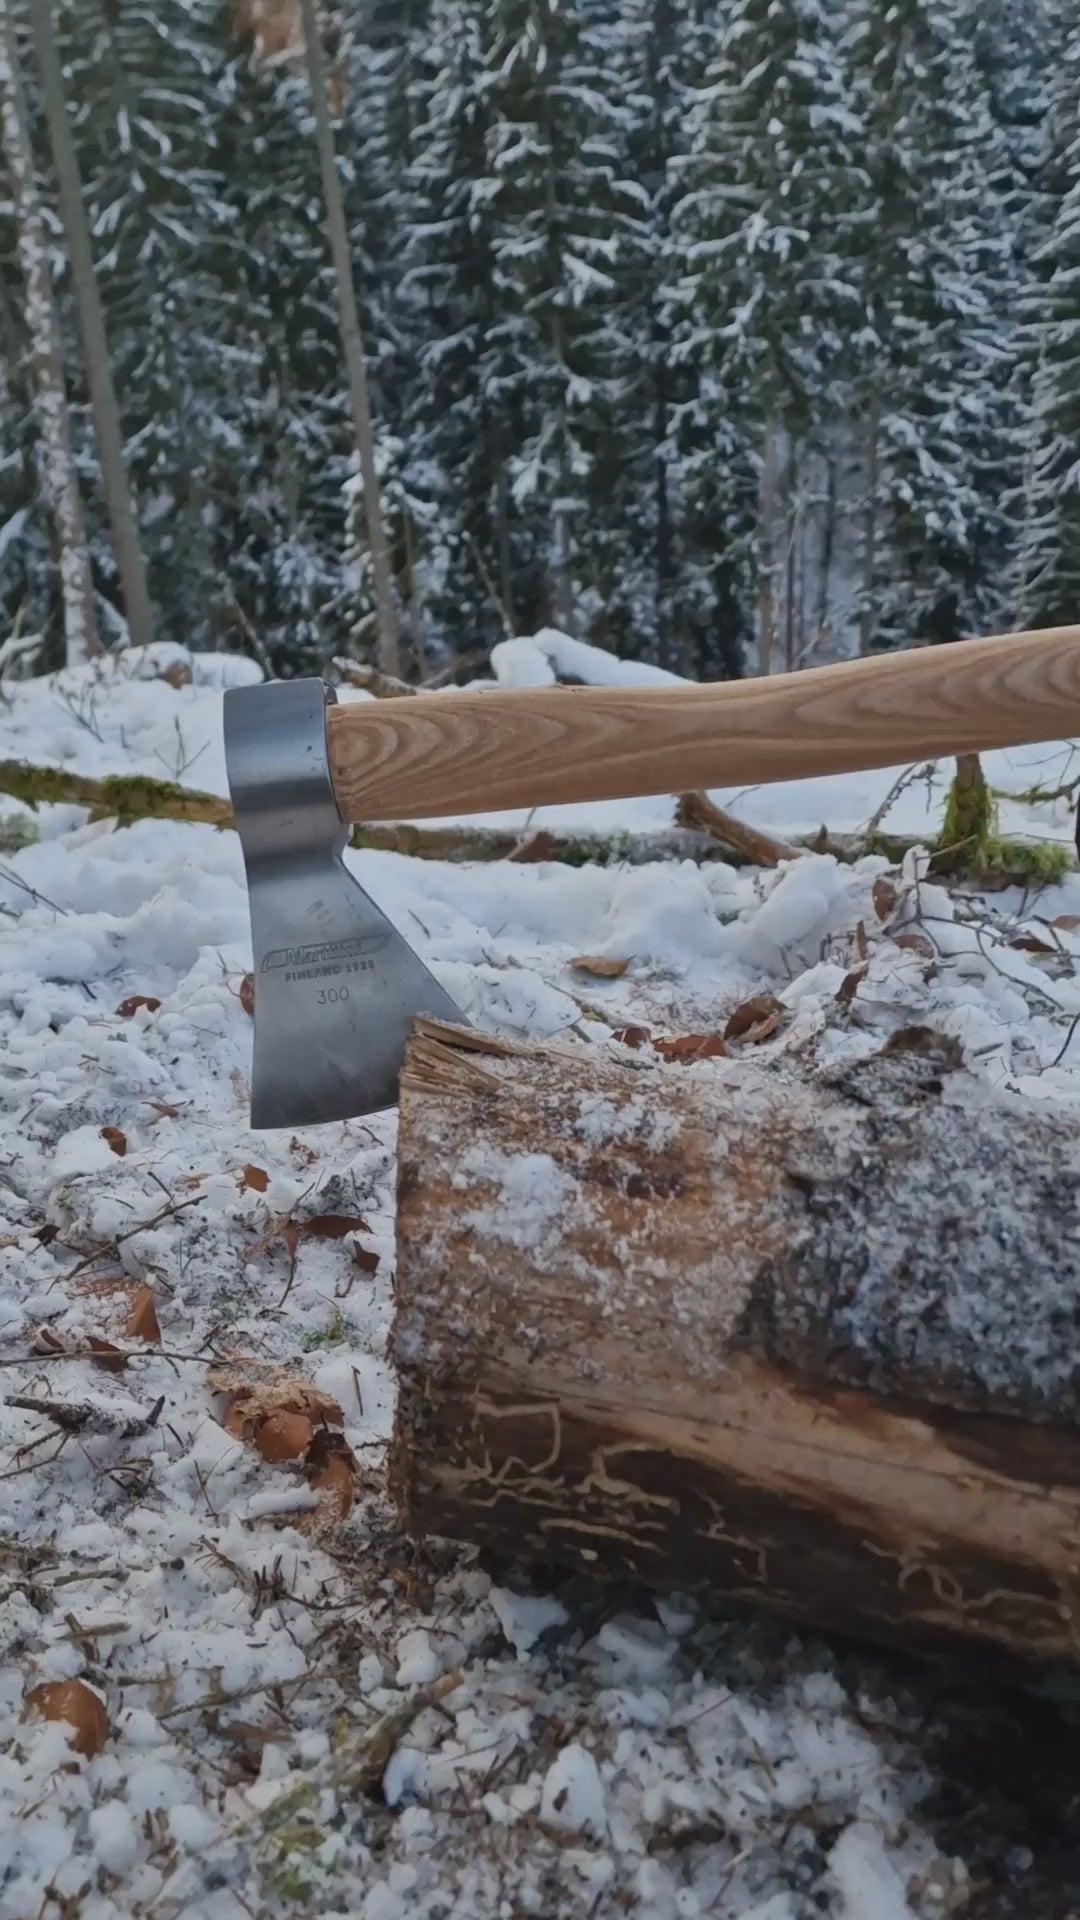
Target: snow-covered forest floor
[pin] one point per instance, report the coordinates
(298, 1711)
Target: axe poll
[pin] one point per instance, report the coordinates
(337, 986)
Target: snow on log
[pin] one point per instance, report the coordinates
(810, 1343)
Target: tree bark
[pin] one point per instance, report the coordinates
(802, 1343)
(125, 536)
(352, 346)
(47, 359)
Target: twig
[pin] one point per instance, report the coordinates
(81, 1416)
(143, 1226)
(383, 686)
(901, 782)
(1067, 1042)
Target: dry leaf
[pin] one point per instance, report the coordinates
(322, 1226)
(601, 966)
(47, 1340)
(916, 942)
(538, 846)
(255, 1178)
(247, 994)
(178, 674)
(1068, 922)
(134, 1001)
(691, 1046)
(142, 1321)
(284, 1436)
(850, 984)
(166, 1111)
(755, 1019)
(861, 947)
(332, 1226)
(113, 1359)
(367, 1261)
(77, 1705)
(1031, 943)
(116, 1140)
(632, 1036)
(886, 895)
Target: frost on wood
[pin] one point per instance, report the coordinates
(808, 1342)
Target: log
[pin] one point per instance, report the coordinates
(137, 796)
(808, 1342)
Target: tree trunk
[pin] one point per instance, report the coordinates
(766, 537)
(47, 360)
(125, 537)
(352, 345)
(870, 524)
(808, 1343)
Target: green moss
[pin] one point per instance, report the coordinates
(969, 822)
(331, 1335)
(1047, 861)
(17, 830)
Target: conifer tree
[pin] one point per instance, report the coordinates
(763, 293)
(1049, 560)
(932, 246)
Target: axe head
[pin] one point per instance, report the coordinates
(336, 985)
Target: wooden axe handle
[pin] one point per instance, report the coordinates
(461, 753)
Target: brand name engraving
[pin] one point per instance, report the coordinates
(321, 958)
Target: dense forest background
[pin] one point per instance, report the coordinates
(729, 334)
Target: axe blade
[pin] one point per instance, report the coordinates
(336, 985)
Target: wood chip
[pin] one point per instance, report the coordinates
(335, 1484)
(602, 966)
(257, 1389)
(115, 1139)
(284, 1436)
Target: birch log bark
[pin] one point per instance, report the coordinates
(107, 428)
(46, 358)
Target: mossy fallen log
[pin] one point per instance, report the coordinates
(130, 797)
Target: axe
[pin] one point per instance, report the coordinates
(337, 985)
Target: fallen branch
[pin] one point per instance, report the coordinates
(131, 797)
(382, 686)
(762, 849)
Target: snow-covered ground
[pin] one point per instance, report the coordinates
(571, 1753)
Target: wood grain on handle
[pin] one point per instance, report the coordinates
(484, 752)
